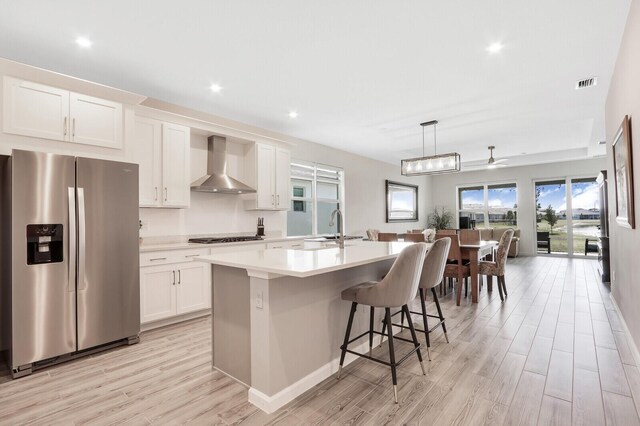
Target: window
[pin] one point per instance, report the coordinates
(316, 191)
(489, 206)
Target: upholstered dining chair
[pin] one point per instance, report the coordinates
(372, 234)
(387, 236)
(497, 268)
(415, 237)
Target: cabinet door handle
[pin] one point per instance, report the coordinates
(65, 126)
(165, 193)
(155, 188)
(174, 277)
(278, 200)
(273, 202)
(73, 128)
(179, 276)
(157, 258)
(192, 255)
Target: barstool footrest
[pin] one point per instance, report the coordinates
(380, 361)
(417, 329)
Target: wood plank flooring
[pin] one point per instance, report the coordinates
(553, 353)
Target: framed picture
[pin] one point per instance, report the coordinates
(623, 169)
(402, 202)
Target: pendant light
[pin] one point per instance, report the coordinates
(430, 164)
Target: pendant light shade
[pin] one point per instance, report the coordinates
(430, 164)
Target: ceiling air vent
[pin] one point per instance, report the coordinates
(587, 82)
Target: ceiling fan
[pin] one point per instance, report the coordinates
(493, 163)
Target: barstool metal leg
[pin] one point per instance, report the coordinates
(346, 337)
(384, 330)
(444, 327)
(392, 354)
(424, 322)
(405, 308)
(371, 311)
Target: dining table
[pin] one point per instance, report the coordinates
(474, 251)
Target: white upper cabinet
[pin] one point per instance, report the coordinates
(268, 171)
(176, 148)
(95, 121)
(283, 179)
(163, 152)
(147, 152)
(32, 109)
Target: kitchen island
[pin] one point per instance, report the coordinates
(279, 320)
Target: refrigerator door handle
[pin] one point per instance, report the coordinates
(72, 239)
(82, 284)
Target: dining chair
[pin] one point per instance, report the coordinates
(469, 236)
(447, 231)
(416, 238)
(416, 231)
(372, 234)
(387, 236)
(456, 267)
(496, 268)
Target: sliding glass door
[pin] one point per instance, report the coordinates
(567, 216)
(585, 216)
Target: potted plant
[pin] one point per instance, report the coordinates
(440, 219)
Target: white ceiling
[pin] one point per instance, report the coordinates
(362, 74)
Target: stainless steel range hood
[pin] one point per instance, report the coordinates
(216, 180)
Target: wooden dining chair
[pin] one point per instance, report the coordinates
(447, 231)
(416, 231)
(387, 236)
(469, 236)
(456, 267)
(415, 237)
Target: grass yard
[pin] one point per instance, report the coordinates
(582, 229)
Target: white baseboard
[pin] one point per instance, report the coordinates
(630, 341)
(269, 404)
(174, 320)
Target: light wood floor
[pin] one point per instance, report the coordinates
(553, 353)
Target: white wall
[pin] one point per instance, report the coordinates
(624, 99)
(444, 189)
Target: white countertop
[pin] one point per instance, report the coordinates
(308, 262)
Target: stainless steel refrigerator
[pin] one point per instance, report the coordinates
(70, 263)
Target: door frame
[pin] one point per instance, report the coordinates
(569, 201)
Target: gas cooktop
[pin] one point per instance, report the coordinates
(215, 240)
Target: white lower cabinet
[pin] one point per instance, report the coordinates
(174, 289)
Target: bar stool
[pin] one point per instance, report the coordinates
(432, 273)
(395, 290)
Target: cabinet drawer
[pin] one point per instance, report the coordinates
(173, 256)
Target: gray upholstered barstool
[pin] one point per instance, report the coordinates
(432, 273)
(395, 290)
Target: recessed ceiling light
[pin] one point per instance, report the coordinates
(216, 88)
(84, 42)
(495, 47)
(293, 114)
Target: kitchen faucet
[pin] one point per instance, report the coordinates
(340, 226)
